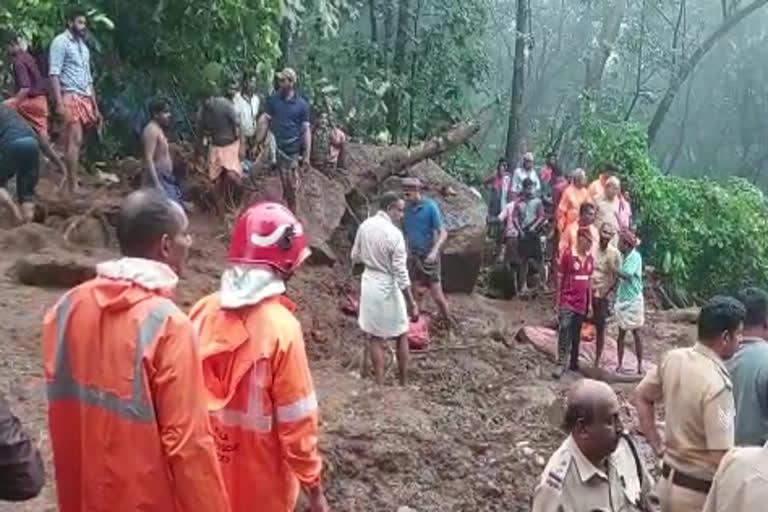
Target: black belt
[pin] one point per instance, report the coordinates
(683, 480)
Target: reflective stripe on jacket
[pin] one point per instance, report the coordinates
(128, 429)
(262, 401)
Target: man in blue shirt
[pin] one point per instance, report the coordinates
(19, 157)
(287, 115)
(425, 235)
(749, 371)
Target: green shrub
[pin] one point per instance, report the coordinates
(705, 236)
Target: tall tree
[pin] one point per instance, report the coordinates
(683, 72)
(399, 64)
(514, 130)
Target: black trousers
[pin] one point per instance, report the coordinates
(569, 337)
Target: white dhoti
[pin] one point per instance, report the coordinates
(630, 315)
(383, 313)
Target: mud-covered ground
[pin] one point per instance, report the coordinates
(470, 433)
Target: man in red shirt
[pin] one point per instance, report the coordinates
(30, 98)
(573, 295)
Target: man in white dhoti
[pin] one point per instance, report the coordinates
(386, 287)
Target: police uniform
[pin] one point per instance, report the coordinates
(571, 483)
(698, 402)
(741, 483)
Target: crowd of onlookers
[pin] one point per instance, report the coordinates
(237, 131)
(577, 235)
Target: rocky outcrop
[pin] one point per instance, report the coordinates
(371, 170)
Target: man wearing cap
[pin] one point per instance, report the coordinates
(287, 116)
(525, 172)
(425, 235)
(573, 295)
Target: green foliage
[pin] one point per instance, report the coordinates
(350, 75)
(166, 43)
(706, 236)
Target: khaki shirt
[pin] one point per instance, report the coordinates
(607, 263)
(698, 402)
(741, 483)
(571, 483)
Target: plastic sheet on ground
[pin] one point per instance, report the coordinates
(545, 341)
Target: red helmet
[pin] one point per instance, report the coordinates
(269, 234)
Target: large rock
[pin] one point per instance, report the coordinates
(321, 206)
(465, 217)
(54, 269)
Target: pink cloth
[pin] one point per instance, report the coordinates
(545, 341)
(507, 216)
(624, 214)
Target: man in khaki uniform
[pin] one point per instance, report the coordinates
(741, 482)
(596, 467)
(696, 391)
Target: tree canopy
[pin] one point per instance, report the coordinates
(672, 89)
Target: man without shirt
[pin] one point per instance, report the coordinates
(158, 165)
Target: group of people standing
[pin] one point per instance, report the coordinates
(595, 262)
(399, 246)
(24, 117)
(713, 450)
(233, 127)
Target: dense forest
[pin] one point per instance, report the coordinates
(669, 90)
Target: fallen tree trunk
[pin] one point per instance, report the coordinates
(400, 158)
(54, 206)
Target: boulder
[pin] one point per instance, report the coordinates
(54, 269)
(321, 206)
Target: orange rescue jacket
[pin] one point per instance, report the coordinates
(128, 426)
(262, 401)
(568, 238)
(568, 209)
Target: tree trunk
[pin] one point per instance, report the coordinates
(414, 61)
(389, 24)
(287, 47)
(638, 76)
(374, 27)
(398, 66)
(514, 132)
(609, 32)
(401, 158)
(684, 72)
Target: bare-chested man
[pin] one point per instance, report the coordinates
(158, 165)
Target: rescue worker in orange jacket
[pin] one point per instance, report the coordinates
(126, 408)
(260, 393)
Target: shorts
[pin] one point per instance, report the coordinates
(530, 247)
(600, 311)
(423, 272)
(21, 158)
